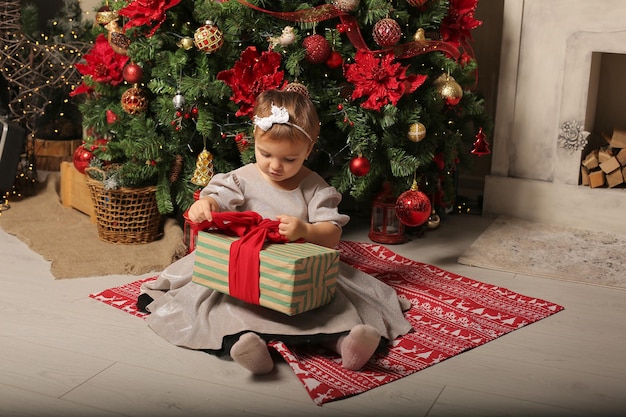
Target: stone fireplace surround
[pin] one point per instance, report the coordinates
(546, 79)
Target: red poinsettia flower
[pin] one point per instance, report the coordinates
(103, 65)
(456, 27)
(250, 76)
(81, 89)
(146, 13)
(381, 80)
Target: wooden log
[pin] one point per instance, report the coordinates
(610, 165)
(591, 160)
(615, 178)
(597, 179)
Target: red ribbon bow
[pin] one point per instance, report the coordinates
(243, 261)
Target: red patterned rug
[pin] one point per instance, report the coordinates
(450, 314)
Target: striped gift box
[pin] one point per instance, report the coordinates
(294, 277)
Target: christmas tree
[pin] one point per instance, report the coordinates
(169, 86)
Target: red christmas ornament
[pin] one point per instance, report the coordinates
(81, 158)
(346, 6)
(417, 3)
(386, 32)
(359, 166)
(134, 101)
(132, 73)
(208, 38)
(481, 146)
(413, 207)
(111, 117)
(335, 60)
(317, 49)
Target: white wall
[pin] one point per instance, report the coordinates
(545, 79)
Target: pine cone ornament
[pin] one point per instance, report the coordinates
(176, 169)
(117, 38)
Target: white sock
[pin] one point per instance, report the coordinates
(358, 346)
(251, 352)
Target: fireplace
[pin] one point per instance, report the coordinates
(557, 56)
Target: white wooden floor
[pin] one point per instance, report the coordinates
(64, 354)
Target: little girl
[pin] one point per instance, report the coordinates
(364, 312)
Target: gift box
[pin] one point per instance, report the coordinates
(293, 277)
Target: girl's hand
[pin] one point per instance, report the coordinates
(292, 227)
(201, 210)
(322, 233)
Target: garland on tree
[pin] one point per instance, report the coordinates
(393, 82)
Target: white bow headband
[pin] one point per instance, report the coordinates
(279, 115)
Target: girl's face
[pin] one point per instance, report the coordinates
(279, 161)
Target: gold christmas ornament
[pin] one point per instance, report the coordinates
(434, 220)
(449, 89)
(134, 101)
(419, 36)
(204, 169)
(417, 132)
(105, 15)
(298, 88)
(186, 43)
(208, 38)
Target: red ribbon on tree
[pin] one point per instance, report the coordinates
(244, 262)
(349, 22)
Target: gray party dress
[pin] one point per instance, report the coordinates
(196, 317)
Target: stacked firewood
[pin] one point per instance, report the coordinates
(606, 166)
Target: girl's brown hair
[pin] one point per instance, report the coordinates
(301, 111)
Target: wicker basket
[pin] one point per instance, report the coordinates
(125, 215)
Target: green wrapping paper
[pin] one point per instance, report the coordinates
(294, 277)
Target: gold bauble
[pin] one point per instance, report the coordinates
(449, 90)
(417, 132)
(105, 16)
(186, 43)
(298, 88)
(434, 220)
(419, 35)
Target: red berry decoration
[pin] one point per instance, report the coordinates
(133, 73)
(359, 166)
(335, 60)
(413, 207)
(81, 158)
(317, 49)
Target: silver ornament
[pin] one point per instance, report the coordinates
(178, 100)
